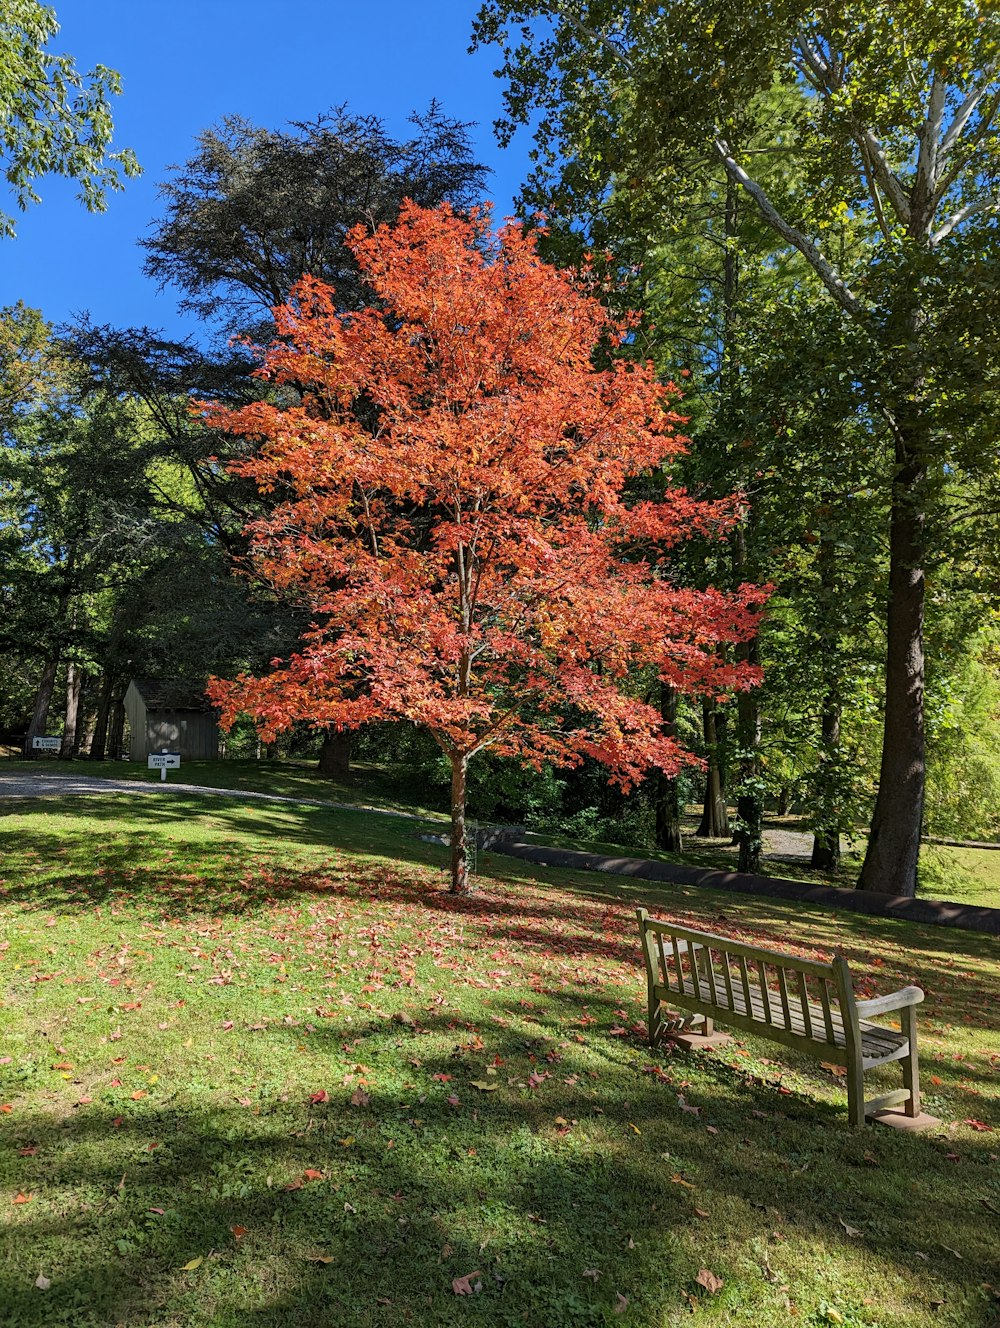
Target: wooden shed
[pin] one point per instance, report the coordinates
(170, 716)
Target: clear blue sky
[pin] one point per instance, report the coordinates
(185, 64)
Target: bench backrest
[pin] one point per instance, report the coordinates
(797, 1001)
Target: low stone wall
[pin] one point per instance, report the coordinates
(937, 912)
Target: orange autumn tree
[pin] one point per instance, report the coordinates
(450, 502)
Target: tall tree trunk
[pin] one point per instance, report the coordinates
(43, 699)
(890, 865)
(99, 743)
(668, 808)
(335, 754)
(749, 802)
(715, 816)
(74, 685)
(826, 840)
(116, 728)
(459, 853)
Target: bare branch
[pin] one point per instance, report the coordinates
(823, 268)
(825, 77)
(599, 37)
(963, 214)
(954, 130)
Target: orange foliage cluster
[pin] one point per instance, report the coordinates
(450, 501)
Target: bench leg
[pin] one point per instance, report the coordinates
(911, 1067)
(856, 1092)
(654, 1024)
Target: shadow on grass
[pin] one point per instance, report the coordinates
(415, 1191)
(230, 858)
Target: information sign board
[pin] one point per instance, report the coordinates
(163, 761)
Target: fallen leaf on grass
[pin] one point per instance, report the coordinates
(700, 1212)
(678, 1179)
(192, 1264)
(158, 1211)
(593, 1273)
(5, 1106)
(319, 1096)
(359, 1098)
(138, 1094)
(464, 1286)
(20, 1198)
(707, 1279)
(311, 1173)
(484, 1085)
(851, 1231)
(42, 1282)
(977, 1124)
(621, 1304)
(239, 1232)
(320, 1258)
(839, 1070)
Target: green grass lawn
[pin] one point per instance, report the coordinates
(968, 876)
(258, 1067)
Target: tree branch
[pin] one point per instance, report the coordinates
(823, 268)
(961, 119)
(963, 214)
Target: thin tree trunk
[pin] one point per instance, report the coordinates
(826, 841)
(116, 733)
(43, 700)
(749, 803)
(783, 801)
(459, 853)
(335, 754)
(74, 685)
(668, 809)
(890, 865)
(715, 816)
(99, 743)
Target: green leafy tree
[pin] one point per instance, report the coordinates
(55, 120)
(886, 203)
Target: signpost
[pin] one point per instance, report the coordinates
(163, 761)
(46, 744)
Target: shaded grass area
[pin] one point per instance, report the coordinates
(264, 1041)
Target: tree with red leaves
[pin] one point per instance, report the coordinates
(451, 504)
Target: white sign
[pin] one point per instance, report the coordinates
(163, 761)
(46, 744)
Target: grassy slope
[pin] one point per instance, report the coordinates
(969, 876)
(180, 977)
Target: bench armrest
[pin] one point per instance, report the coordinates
(897, 1000)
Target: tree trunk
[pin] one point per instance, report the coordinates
(459, 854)
(74, 684)
(116, 735)
(668, 809)
(43, 699)
(99, 743)
(826, 840)
(890, 865)
(715, 817)
(749, 803)
(335, 754)
(784, 801)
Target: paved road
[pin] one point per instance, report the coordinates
(17, 784)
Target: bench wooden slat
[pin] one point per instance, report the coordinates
(745, 981)
(765, 994)
(677, 964)
(804, 1004)
(783, 992)
(824, 994)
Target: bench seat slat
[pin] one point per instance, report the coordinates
(876, 1042)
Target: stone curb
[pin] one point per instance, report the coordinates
(936, 912)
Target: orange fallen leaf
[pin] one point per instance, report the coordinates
(239, 1232)
(20, 1197)
(709, 1281)
(311, 1173)
(464, 1286)
(139, 1093)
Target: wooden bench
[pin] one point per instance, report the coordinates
(798, 1002)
